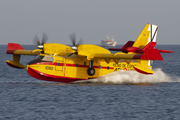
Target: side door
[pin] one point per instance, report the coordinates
(59, 66)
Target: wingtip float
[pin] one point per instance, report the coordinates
(61, 63)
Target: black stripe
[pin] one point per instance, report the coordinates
(151, 33)
(155, 33)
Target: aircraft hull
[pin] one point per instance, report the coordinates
(47, 77)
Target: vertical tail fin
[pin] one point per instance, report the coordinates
(148, 34)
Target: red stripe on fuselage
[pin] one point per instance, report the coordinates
(69, 65)
(44, 63)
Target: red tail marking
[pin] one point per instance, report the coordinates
(128, 44)
(149, 53)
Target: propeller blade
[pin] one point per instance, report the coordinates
(36, 40)
(73, 38)
(80, 42)
(44, 38)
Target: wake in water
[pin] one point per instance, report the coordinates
(133, 77)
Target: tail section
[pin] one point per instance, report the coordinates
(145, 47)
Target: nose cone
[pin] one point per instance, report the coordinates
(27, 66)
(34, 71)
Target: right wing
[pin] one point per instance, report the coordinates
(17, 50)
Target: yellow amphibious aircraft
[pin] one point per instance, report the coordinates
(61, 63)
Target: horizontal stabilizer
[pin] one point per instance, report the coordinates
(150, 53)
(128, 44)
(124, 48)
(166, 51)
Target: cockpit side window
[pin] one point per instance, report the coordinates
(51, 59)
(40, 57)
(45, 58)
(48, 58)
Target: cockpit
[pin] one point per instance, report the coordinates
(41, 58)
(45, 58)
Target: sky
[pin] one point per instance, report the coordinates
(91, 20)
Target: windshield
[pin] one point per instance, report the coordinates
(45, 58)
(48, 58)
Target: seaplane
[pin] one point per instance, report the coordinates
(61, 63)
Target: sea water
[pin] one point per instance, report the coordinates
(122, 95)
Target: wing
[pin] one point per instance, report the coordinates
(97, 52)
(17, 50)
(115, 56)
(147, 55)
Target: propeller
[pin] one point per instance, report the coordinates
(73, 40)
(40, 44)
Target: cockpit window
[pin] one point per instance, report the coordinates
(51, 59)
(45, 58)
(48, 58)
(40, 57)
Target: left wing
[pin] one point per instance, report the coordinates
(97, 52)
(115, 56)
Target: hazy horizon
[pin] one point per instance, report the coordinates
(91, 20)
